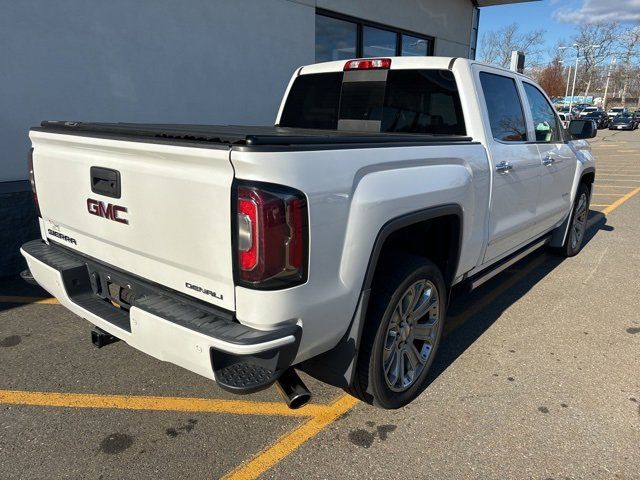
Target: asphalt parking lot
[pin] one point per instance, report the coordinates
(538, 377)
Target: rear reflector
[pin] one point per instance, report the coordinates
(368, 64)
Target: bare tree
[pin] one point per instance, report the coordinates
(496, 45)
(595, 43)
(630, 40)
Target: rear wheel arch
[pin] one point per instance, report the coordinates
(337, 365)
(406, 234)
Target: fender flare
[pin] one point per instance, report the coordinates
(337, 365)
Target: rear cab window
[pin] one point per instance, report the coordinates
(392, 101)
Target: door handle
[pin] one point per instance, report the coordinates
(504, 167)
(548, 160)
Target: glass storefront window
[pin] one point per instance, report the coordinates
(339, 38)
(378, 43)
(414, 46)
(335, 39)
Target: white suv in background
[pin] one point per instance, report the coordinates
(587, 111)
(614, 112)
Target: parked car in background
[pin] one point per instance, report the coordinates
(567, 112)
(624, 121)
(636, 117)
(579, 108)
(600, 117)
(565, 118)
(586, 111)
(614, 112)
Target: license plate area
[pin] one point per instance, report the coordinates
(89, 289)
(120, 296)
(109, 293)
(114, 290)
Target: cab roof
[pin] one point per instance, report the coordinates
(405, 63)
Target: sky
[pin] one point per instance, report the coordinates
(558, 17)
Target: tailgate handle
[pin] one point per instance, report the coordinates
(105, 181)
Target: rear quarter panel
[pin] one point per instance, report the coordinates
(352, 193)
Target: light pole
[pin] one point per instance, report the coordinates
(575, 73)
(566, 92)
(606, 88)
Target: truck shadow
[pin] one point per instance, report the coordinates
(470, 315)
(14, 286)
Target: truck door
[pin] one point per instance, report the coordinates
(558, 161)
(515, 166)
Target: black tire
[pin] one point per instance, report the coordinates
(392, 283)
(573, 245)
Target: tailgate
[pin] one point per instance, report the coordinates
(170, 223)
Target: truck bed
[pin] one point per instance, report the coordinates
(239, 135)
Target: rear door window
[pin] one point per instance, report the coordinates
(506, 115)
(545, 122)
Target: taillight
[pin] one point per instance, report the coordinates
(32, 180)
(272, 236)
(368, 64)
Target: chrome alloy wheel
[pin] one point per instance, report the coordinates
(579, 221)
(411, 335)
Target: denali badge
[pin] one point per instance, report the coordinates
(62, 236)
(203, 290)
(108, 210)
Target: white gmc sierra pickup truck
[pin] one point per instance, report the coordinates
(329, 242)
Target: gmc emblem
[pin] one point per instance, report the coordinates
(106, 210)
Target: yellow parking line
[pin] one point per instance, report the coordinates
(599, 205)
(616, 173)
(620, 180)
(617, 169)
(620, 201)
(607, 174)
(38, 300)
(174, 404)
(292, 440)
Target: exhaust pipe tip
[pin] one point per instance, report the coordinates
(299, 400)
(293, 389)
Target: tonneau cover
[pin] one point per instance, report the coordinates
(238, 134)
